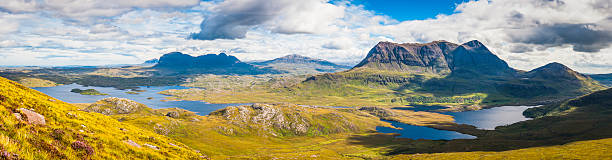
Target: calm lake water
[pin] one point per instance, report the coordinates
(484, 119)
(63, 93)
(420, 132)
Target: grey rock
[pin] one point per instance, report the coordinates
(33, 117)
(151, 146)
(173, 114)
(131, 143)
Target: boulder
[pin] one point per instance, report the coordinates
(33, 117)
(131, 143)
(173, 114)
(151, 146)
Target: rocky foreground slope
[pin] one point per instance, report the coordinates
(36, 126)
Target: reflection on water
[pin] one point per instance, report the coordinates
(63, 93)
(420, 132)
(482, 119)
(491, 118)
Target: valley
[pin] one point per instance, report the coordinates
(416, 101)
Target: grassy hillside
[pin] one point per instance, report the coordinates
(36, 82)
(68, 133)
(260, 131)
(285, 131)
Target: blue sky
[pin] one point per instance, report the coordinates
(525, 33)
(403, 10)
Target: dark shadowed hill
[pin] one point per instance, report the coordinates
(299, 64)
(210, 63)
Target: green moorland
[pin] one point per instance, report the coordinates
(285, 131)
(36, 126)
(370, 87)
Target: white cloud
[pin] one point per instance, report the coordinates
(134, 31)
(232, 19)
(84, 10)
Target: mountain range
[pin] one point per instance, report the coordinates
(445, 69)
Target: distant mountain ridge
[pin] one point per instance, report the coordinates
(209, 63)
(295, 63)
(299, 59)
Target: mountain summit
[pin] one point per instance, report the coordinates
(440, 57)
(299, 59)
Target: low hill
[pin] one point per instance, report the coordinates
(36, 126)
(298, 64)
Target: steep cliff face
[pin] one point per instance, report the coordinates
(439, 57)
(411, 57)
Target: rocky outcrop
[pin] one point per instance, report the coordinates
(173, 114)
(285, 120)
(32, 117)
(114, 105)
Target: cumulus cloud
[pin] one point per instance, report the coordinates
(85, 10)
(583, 37)
(231, 19)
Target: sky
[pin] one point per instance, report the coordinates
(525, 33)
